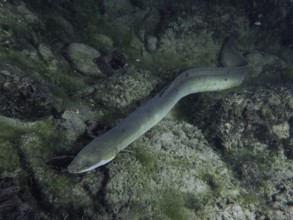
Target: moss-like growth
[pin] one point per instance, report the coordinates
(289, 73)
(214, 181)
(173, 205)
(146, 158)
(249, 198)
(102, 42)
(246, 154)
(14, 142)
(10, 133)
(11, 137)
(61, 81)
(58, 183)
(51, 139)
(196, 202)
(8, 157)
(18, 18)
(9, 154)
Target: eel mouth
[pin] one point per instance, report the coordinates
(73, 167)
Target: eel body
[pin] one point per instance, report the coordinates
(105, 147)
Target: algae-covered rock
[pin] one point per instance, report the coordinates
(73, 124)
(61, 27)
(241, 168)
(252, 130)
(268, 109)
(172, 172)
(17, 15)
(82, 57)
(121, 91)
(152, 43)
(58, 191)
(16, 201)
(269, 67)
(103, 42)
(22, 96)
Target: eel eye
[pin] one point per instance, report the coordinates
(85, 165)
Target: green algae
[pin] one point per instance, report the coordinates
(146, 158)
(37, 148)
(19, 18)
(197, 202)
(58, 183)
(173, 205)
(26, 148)
(13, 134)
(5, 36)
(249, 198)
(102, 42)
(265, 161)
(61, 81)
(289, 73)
(9, 139)
(10, 161)
(40, 63)
(214, 181)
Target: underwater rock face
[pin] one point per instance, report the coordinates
(252, 129)
(21, 96)
(152, 43)
(171, 170)
(15, 201)
(241, 168)
(112, 62)
(122, 91)
(73, 125)
(252, 115)
(82, 58)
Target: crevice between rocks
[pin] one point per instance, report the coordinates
(99, 198)
(33, 187)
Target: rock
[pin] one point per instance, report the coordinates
(82, 58)
(73, 125)
(21, 96)
(121, 91)
(119, 9)
(282, 130)
(172, 170)
(150, 19)
(58, 191)
(280, 193)
(270, 66)
(152, 43)
(112, 62)
(16, 201)
(47, 56)
(25, 13)
(102, 42)
(62, 28)
(251, 127)
(266, 108)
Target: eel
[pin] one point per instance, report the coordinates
(105, 147)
